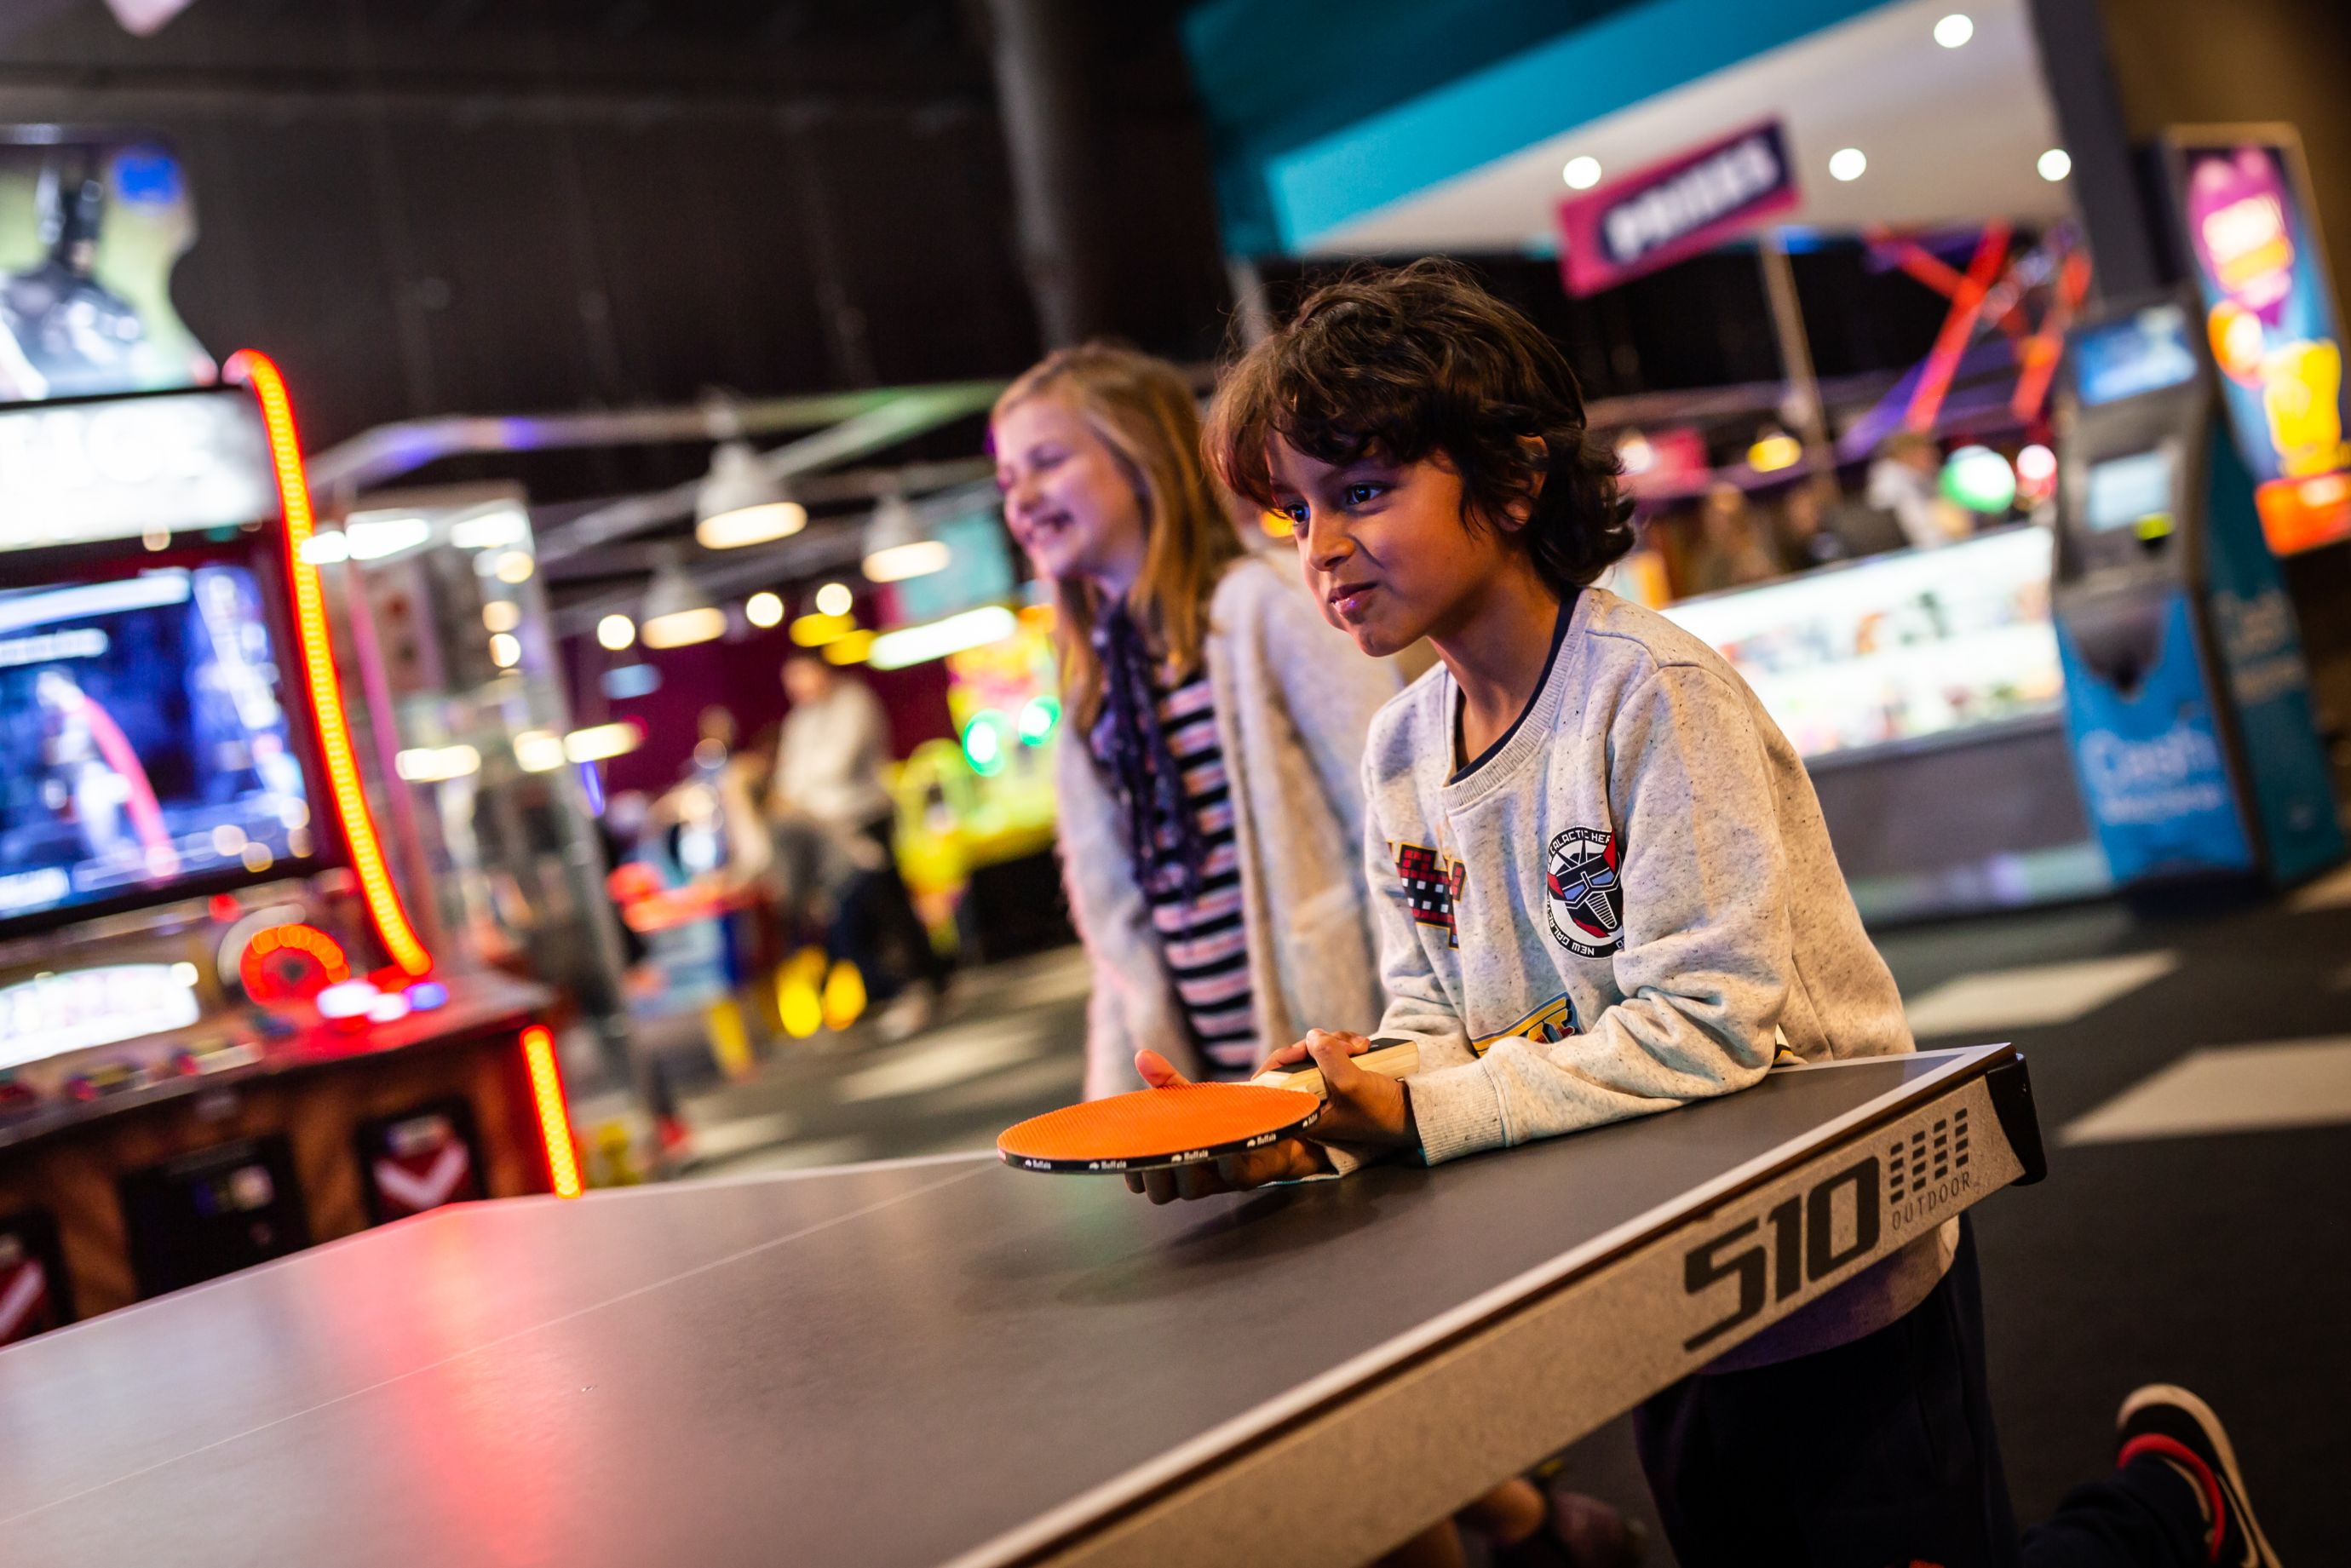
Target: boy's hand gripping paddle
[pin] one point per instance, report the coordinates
(1184, 1123)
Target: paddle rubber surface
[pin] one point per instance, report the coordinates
(1151, 1129)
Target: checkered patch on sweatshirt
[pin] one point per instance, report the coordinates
(1431, 883)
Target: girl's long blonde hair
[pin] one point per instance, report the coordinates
(1143, 410)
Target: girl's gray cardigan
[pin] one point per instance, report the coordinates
(1294, 699)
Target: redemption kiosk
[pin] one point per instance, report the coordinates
(2187, 697)
(222, 1038)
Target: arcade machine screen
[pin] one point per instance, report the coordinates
(145, 752)
(2133, 493)
(2147, 351)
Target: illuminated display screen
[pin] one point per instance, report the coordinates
(52, 1014)
(143, 743)
(2131, 493)
(2142, 353)
(121, 467)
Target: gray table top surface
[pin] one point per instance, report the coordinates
(898, 1364)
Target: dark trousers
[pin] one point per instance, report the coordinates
(1883, 1454)
(877, 913)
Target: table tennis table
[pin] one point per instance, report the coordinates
(947, 1361)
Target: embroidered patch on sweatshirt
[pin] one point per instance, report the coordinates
(1583, 896)
(1431, 883)
(1547, 1025)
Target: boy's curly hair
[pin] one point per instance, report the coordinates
(1415, 361)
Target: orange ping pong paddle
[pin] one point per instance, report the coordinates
(1184, 1123)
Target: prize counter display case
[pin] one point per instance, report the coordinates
(1924, 692)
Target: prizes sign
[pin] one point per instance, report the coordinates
(1674, 209)
(2244, 204)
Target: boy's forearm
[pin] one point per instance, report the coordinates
(1457, 1111)
(1627, 1066)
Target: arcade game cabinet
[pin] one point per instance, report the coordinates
(2247, 236)
(2187, 700)
(221, 1037)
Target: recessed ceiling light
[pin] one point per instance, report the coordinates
(1581, 173)
(834, 598)
(764, 609)
(2055, 164)
(1848, 163)
(616, 632)
(1954, 30)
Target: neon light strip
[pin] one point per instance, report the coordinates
(383, 906)
(303, 939)
(554, 1119)
(1942, 361)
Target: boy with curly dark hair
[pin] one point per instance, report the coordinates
(1603, 888)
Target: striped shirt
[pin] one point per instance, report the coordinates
(1201, 935)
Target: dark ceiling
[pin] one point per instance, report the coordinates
(426, 207)
(433, 206)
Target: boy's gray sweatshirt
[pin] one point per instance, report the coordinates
(1628, 902)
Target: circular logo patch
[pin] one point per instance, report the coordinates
(1582, 897)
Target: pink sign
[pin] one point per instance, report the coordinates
(1674, 209)
(1665, 463)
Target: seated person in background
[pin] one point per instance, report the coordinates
(1807, 538)
(1638, 906)
(1731, 550)
(1906, 480)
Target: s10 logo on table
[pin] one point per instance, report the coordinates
(1802, 1247)
(1807, 1237)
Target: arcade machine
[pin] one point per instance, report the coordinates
(2187, 700)
(976, 816)
(2248, 238)
(222, 1038)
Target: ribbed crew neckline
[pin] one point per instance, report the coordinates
(1491, 761)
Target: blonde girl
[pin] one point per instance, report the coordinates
(1210, 776)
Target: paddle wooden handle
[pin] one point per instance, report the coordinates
(1389, 1058)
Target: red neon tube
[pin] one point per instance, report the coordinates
(384, 909)
(554, 1118)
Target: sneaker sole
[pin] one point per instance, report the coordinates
(2215, 1433)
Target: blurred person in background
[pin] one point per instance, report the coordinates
(619, 831)
(829, 777)
(1731, 550)
(1905, 479)
(711, 812)
(1211, 797)
(1807, 538)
